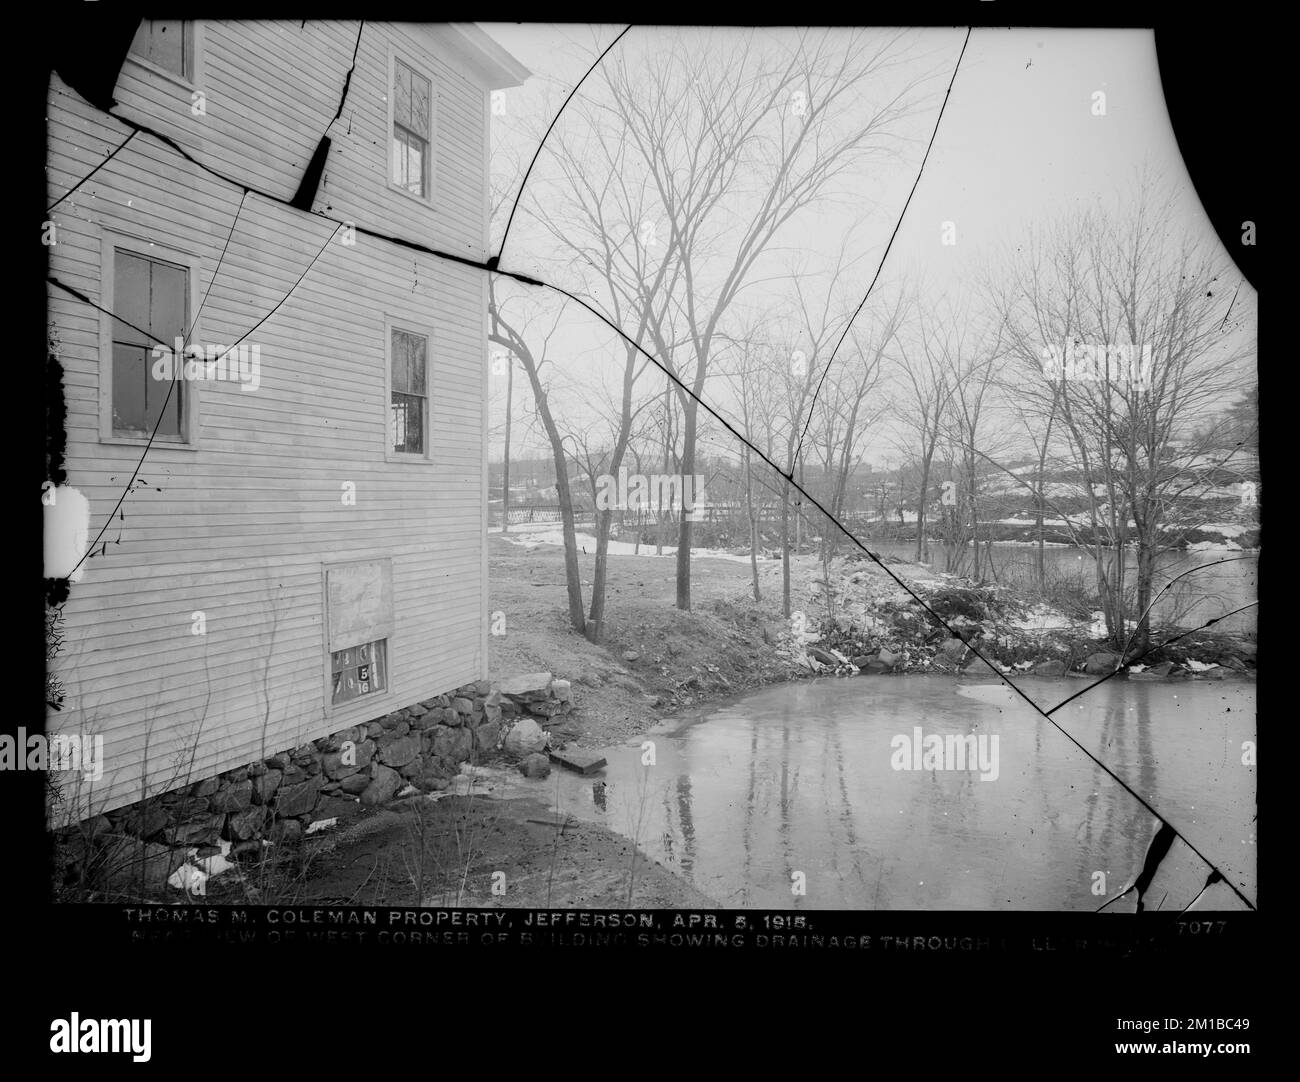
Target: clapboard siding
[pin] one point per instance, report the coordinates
(240, 526)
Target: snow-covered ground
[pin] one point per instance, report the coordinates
(531, 535)
(1042, 618)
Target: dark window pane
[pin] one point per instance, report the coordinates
(408, 423)
(130, 298)
(152, 296)
(162, 42)
(167, 304)
(169, 407)
(129, 371)
(419, 363)
(402, 96)
(419, 122)
(401, 363)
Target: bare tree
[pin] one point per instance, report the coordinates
(1132, 308)
(514, 337)
(732, 152)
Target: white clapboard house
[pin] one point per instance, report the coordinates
(304, 548)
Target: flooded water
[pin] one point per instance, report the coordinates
(818, 786)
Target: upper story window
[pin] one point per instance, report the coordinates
(151, 304)
(412, 133)
(409, 388)
(167, 44)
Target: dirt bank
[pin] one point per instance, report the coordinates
(658, 662)
(474, 851)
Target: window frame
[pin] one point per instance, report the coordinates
(430, 171)
(112, 242)
(385, 699)
(190, 80)
(407, 326)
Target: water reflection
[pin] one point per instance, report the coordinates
(795, 786)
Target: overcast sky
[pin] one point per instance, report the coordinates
(1019, 143)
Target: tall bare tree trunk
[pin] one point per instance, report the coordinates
(753, 522)
(785, 549)
(684, 527)
(505, 470)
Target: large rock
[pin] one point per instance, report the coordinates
(524, 738)
(384, 783)
(297, 799)
(527, 684)
(145, 820)
(206, 787)
(247, 823)
(889, 658)
(337, 766)
(265, 785)
(1101, 663)
(295, 775)
(202, 830)
(1216, 672)
(535, 766)
(398, 751)
(487, 736)
(1051, 667)
(234, 799)
(875, 667)
(355, 784)
(453, 744)
(335, 741)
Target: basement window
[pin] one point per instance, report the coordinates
(359, 626)
(359, 670)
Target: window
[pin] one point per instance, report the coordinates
(150, 304)
(359, 670)
(412, 130)
(359, 626)
(408, 361)
(167, 44)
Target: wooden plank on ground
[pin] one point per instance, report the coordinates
(584, 762)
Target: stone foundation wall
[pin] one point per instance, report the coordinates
(277, 798)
